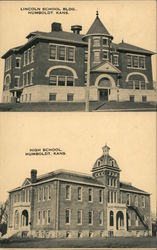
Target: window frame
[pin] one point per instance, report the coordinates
(90, 194)
(68, 193)
(69, 216)
(90, 217)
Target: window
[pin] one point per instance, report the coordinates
(115, 197)
(68, 192)
(136, 200)
(49, 193)
(18, 63)
(115, 60)
(79, 217)
(128, 199)
(137, 86)
(96, 41)
(17, 81)
(67, 216)
(90, 194)
(111, 196)
(44, 193)
(30, 97)
(70, 52)
(130, 84)
(143, 201)
(105, 42)
(70, 81)
(144, 98)
(96, 56)
(98, 163)
(52, 97)
(79, 193)
(90, 217)
(100, 196)
(129, 61)
(129, 219)
(101, 218)
(31, 76)
(53, 80)
(142, 62)
(39, 194)
(32, 54)
(105, 55)
(136, 61)
(143, 85)
(136, 220)
(85, 77)
(70, 97)
(44, 215)
(61, 80)
(26, 97)
(38, 217)
(86, 56)
(48, 217)
(132, 98)
(111, 218)
(53, 52)
(8, 62)
(61, 53)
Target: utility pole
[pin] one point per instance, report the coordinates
(88, 76)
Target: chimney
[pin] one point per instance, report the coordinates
(56, 27)
(76, 29)
(33, 175)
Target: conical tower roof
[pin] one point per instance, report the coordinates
(97, 28)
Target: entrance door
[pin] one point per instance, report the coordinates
(103, 94)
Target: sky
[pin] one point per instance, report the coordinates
(132, 21)
(130, 136)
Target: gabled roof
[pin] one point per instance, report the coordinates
(128, 187)
(12, 50)
(106, 67)
(97, 27)
(129, 47)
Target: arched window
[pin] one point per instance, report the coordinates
(98, 163)
(111, 218)
(119, 220)
(7, 81)
(136, 80)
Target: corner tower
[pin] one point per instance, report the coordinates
(101, 41)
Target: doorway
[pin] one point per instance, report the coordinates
(104, 94)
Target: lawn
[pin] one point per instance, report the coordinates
(121, 242)
(77, 107)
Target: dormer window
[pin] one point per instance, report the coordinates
(98, 163)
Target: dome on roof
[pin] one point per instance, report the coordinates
(105, 160)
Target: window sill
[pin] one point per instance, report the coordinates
(56, 60)
(136, 68)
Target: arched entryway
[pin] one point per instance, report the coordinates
(24, 218)
(104, 84)
(119, 220)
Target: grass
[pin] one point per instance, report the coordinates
(125, 242)
(77, 107)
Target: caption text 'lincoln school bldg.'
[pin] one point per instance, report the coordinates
(52, 66)
(69, 204)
